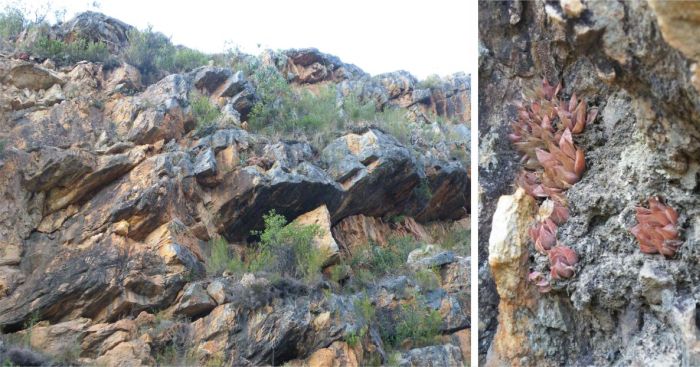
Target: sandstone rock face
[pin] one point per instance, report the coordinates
(622, 58)
(324, 241)
(357, 230)
(31, 76)
(676, 23)
(376, 173)
(97, 27)
(311, 66)
(508, 252)
(114, 198)
(444, 355)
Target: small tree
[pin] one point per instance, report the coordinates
(288, 249)
(12, 22)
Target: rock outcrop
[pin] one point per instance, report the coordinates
(114, 195)
(630, 59)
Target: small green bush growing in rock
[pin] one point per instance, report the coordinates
(204, 112)
(365, 309)
(340, 272)
(457, 240)
(45, 47)
(384, 259)
(356, 110)
(12, 22)
(221, 258)
(186, 59)
(66, 53)
(423, 190)
(415, 323)
(288, 248)
(152, 52)
(353, 338)
(275, 97)
(427, 279)
(395, 123)
(432, 81)
(148, 51)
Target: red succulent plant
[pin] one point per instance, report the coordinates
(560, 213)
(531, 182)
(573, 114)
(563, 164)
(561, 262)
(544, 234)
(542, 133)
(657, 230)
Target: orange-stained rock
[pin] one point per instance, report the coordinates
(338, 354)
(462, 338)
(358, 230)
(324, 240)
(508, 259)
(127, 354)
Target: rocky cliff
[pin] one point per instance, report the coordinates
(120, 194)
(635, 62)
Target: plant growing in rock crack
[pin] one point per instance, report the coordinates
(657, 230)
(544, 234)
(562, 260)
(543, 135)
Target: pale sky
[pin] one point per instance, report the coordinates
(426, 37)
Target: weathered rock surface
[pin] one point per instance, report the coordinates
(359, 229)
(376, 173)
(323, 241)
(291, 185)
(622, 58)
(111, 196)
(437, 356)
(96, 27)
(508, 254)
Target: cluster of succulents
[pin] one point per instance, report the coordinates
(657, 229)
(552, 163)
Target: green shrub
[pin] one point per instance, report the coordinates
(204, 112)
(427, 279)
(237, 60)
(45, 47)
(284, 110)
(66, 53)
(415, 322)
(396, 219)
(82, 49)
(186, 59)
(395, 123)
(432, 81)
(381, 260)
(149, 51)
(353, 338)
(365, 309)
(423, 190)
(2, 148)
(276, 96)
(340, 272)
(393, 359)
(12, 22)
(288, 249)
(314, 113)
(357, 110)
(457, 240)
(221, 258)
